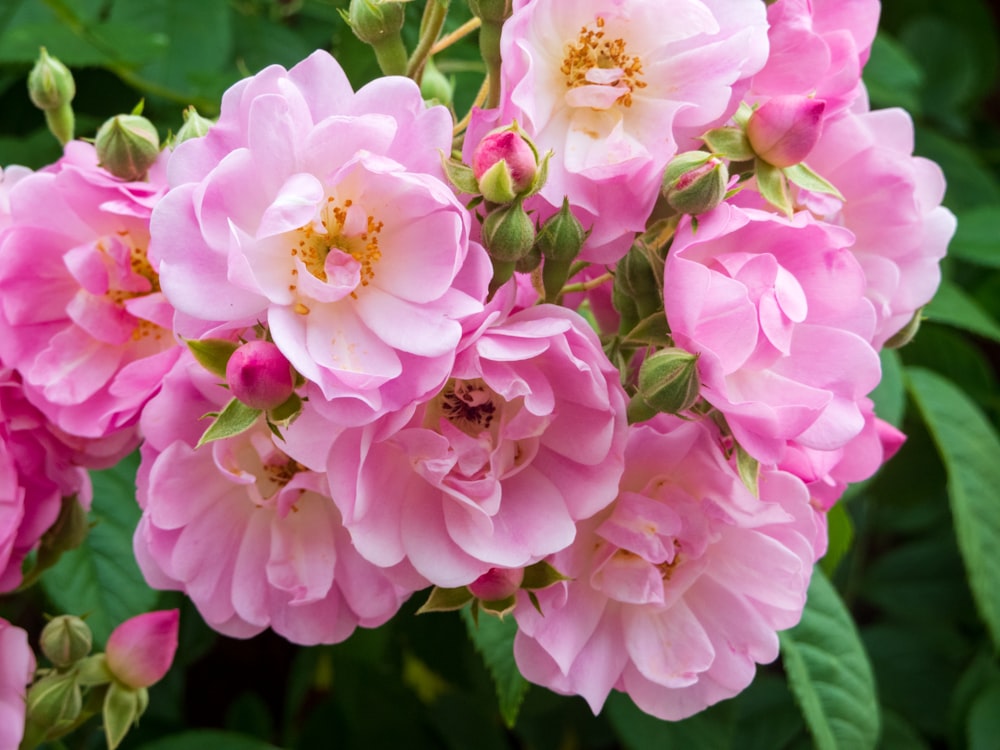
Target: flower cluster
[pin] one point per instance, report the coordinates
(608, 373)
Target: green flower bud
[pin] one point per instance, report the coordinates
(50, 84)
(562, 235)
(636, 293)
(491, 11)
(195, 126)
(65, 640)
(508, 232)
(375, 20)
(668, 380)
(127, 146)
(695, 182)
(435, 88)
(55, 701)
(529, 262)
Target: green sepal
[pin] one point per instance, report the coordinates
(742, 115)
(500, 607)
(652, 330)
(543, 171)
(729, 143)
(212, 354)
(806, 179)
(748, 468)
(284, 413)
(236, 418)
(122, 708)
(773, 186)
(446, 600)
(639, 410)
(540, 575)
(93, 671)
(460, 175)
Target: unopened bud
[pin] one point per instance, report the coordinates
(505, 164)
(259, 375)
(141, 649)
(435, 88)
(491, 11)
(127, 146)
(65, 640)
(668, 380)
(195, 126)
(121, 711)
(51, 89)
(375, 20)
(497, 584)
(54, 701)
(508, 232)
(695, 182)
(560, 240)
(784, 129)
(636, 293)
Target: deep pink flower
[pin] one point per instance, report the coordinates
(141, 649)
(17, 666)
(322, 213)
(893, 207)
(81, 315)
(524, 440)
(776, 309)
(611, 88)
(37, 469)
(259, 375)
(784, 129)
(248, 532)
(678, 589)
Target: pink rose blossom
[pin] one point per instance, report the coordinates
(322, 213)
(17, 666)
(776, 310)
(141, 649)
(611, 88)
(784, 129)
(9, 176)
(81, 315)
(37, 469)
(893, 207)
(524, 440)
(678, 589)
(248, 532)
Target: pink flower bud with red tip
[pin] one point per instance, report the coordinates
(259, 375)
(505, 165)
(497, 584)
(141, 650)
(784, 129)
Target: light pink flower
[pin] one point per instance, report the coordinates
(37, 469)
(249, 533)
(81, 316)
(611, 87)
(9, 176)
(322, 213)
(776, 310)
(893, 207)
(141, 649)
(524, 440)
(17, 666)
(818, 48)
(678, 589)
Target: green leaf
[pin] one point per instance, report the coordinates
(212, 354)
(952, 306)
(841, 534)
(708, 730)
(730, 143)
(829, 673)
(237, 417)
(805, 178)
(983, 723)
(207, 739)
(892, 76)
(773, 186)
(976, 239)
(969, 448)
(494, 640)
(446, 600)
(890, 395)
(100, 578)
(650, 331)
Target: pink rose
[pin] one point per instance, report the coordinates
(677, 590)
(81, 314)
(524, 440)
(776, 309)
(141, 649)
(17, 667)
(322, 213)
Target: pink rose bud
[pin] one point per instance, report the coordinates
(505, 165)
(497, 584)
(259, 375)
(783, 130)
(141, 650)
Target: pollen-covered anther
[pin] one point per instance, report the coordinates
(596, 60)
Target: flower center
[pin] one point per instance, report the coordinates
(595, 60)
(137, 279)
(470, 405)
(342, 229)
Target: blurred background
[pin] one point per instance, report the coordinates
(915, 552)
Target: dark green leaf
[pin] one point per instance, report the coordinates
(494, 640)
(977, 239)
(829, 673)
(952, 306)
(983, 724)
(840, 531)
(969, 448)
(237, 417)
(208, 739)
(890, 395)
(892, 76)
(708, 730)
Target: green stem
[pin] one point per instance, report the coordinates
(430, 30)
(489, 48)
(391, 55)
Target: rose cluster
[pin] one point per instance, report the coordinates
(607, 372)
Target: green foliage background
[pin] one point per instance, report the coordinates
(898, 647)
